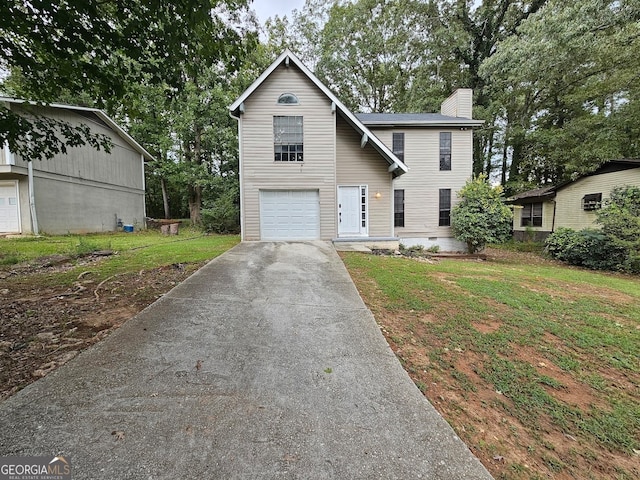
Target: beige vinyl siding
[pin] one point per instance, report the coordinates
(569, 212)
(459, 104)
(259, 171)
(547, 218)
(424, 180)
(364, 166)
(122, 167)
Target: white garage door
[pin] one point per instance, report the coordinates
(9, 220)
(289, 215)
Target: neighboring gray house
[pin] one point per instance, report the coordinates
(312, 169)
(572, 204)
(84, 190)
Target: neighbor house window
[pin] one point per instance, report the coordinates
(531, 215)
(287, 99)
(445, 150)
(591, 201)
(398, 146)
(287, 139)
(398, 208)
(445, 207)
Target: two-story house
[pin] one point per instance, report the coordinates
(312, 169)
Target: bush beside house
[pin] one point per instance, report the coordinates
(615, 246)
(481, 217)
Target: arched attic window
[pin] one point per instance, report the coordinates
(287, 99)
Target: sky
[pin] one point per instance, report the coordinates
(269, 8)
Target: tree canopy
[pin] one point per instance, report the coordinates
(99, 48)
(556, 82)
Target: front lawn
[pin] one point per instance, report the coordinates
(534, 364)
(61, 294)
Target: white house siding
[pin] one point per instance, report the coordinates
(259, 171)
(364, 166)
(569, 212)
(422, 183)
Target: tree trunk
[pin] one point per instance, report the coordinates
(165, 198)
(195, 202)
(195, 191)
(505, 153)
(489, 163)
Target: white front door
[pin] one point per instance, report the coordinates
(9, 213)
(352, 211)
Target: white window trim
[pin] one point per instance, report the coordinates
(8, 155)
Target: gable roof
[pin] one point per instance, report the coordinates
(548, 192)
(83, 110)
(397, 166)
(416, 120)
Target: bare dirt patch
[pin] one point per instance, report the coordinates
(44, 325)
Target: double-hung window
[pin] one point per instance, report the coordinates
(445, 151)
(531, 215)
(288, 139)
(398, 145)
(444, 219)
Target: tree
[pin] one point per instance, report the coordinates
(481, 217)
(472, 31)
(100, 48)
(619, 218)
(370, 51)
(567, 84)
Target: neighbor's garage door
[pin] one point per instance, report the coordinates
(9, 222)
(289, 215)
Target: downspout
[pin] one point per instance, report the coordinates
(144, 195)
(32, 200)
(553, 219)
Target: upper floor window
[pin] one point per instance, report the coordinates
(287, 139)
(591, 201)
(531, 215)
(445, 150)
(398, 145)
(287, 99)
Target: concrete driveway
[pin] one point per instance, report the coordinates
(263, 364)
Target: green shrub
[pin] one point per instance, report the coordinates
(620, 221)
(223, 216)
(587, 248)
(481, 217)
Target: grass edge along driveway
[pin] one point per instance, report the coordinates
(534, 364)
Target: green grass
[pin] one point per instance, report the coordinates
(134, 251)
(585, 323)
